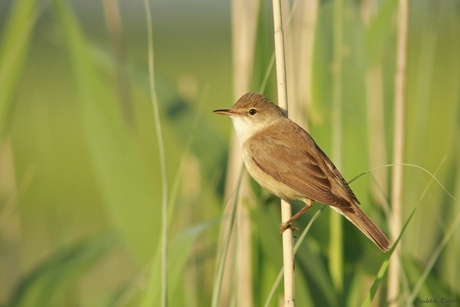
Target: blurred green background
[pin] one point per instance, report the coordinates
(80, 184)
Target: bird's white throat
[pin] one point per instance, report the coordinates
(245, 128)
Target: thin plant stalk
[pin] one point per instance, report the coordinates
(434, 257)
(239, 269)
(336, 243)
(385, 265)
(299, 37)
(164, 184)
(286, 212)
(398, 149)
(300, 240)
(237, 272)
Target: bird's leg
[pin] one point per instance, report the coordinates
(288, 223)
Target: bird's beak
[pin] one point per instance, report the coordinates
(227, 112)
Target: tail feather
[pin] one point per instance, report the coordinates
(364, 223)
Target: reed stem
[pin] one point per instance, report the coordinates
(288, 240)
(394, 273)
(336, 243)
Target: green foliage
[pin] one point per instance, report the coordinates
(14, 47)
(49, 281)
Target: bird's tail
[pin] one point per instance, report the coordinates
(364, 223)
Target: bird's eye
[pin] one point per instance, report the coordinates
(252, 112)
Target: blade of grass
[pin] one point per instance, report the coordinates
(161, 150)
(433, 177)
(383, 268)
(61, 270)
(180, 246)
(178, 253)
(385, 264)
(116, 158)
(432, 261)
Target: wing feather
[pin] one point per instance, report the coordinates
(303, 167)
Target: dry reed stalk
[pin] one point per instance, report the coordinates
(394, 273)
(237, 275)
(299, 38)
(288, 240)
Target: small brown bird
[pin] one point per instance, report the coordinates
(284, 159)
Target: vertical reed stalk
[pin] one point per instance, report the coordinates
(336, 243)
(394, 274)
(288, 240)
(299, 39)
(164, 184)
(237, 276)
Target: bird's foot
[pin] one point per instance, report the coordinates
(284, 226)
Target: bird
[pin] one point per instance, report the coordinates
(284, 159)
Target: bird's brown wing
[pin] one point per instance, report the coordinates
(306, 169)
(303, 167)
